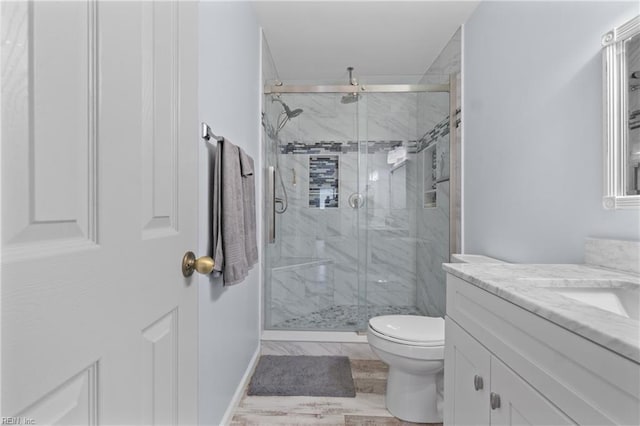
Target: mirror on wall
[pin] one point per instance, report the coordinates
(621, 56)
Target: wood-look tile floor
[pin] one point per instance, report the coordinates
(366, 409)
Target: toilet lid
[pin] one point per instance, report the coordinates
(425, 331)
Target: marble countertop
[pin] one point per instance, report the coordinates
(473, 258)
(528, 286)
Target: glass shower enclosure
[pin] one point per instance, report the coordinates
(360, 207)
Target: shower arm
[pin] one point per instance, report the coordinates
(352, 81)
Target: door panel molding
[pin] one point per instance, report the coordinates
(160, 94)
(160, 361)
(49, 171)
(73, 402)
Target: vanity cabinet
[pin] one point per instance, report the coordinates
(484, 391)
(505, 365)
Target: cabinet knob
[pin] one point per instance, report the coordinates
(477, 382)
(494, 399)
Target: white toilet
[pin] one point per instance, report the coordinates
(413, 346)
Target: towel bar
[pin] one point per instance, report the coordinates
(206, 133)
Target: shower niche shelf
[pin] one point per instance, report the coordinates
(430, 167)
(323, 181)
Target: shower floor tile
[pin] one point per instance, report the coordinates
(343, 317)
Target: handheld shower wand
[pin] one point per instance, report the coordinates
(283, 119)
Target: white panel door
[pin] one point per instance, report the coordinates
(99, 137)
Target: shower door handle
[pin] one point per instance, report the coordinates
(271, 197)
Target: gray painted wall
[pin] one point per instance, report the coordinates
(533, 130)
(229, 86)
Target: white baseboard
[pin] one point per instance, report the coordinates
(237, 396)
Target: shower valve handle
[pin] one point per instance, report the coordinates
(356, 200)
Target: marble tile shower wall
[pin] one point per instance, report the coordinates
(432, 248)
(298, 291)
(328, 127)
(432, 242)
(390, 116)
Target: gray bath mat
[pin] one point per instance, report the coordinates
(302, 376)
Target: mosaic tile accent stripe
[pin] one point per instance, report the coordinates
(325, 147)
(634, 120)
(439, 130)
(333, 147)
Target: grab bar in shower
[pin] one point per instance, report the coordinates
(271, 197)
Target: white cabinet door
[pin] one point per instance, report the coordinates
(520, 404)
(468, 403)
(467, 363)
(99, 138)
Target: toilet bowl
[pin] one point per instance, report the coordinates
(413, 347)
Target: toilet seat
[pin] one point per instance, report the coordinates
(410, 330)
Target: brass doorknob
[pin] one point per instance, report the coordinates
(203, 264)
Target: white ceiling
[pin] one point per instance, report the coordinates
(317, 40)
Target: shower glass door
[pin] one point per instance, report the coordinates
(314, 268)
(363, 212)
(390, 183)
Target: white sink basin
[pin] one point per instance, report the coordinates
(618, 300)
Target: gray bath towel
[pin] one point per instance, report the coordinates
(249, 202)
(216, 212)
(228, 214)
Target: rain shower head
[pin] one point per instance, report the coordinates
(350, 98)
